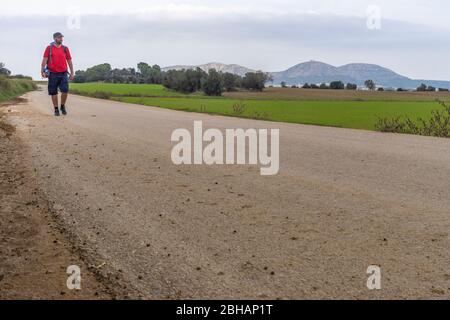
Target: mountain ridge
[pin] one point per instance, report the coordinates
(315, 72)
(357, 73)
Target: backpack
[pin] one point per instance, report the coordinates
(47, 70)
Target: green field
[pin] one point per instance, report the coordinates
(355, 113)
(145, 90)
(345, 114)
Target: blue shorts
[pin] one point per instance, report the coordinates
(58, 81)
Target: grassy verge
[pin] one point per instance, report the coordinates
(11, 88)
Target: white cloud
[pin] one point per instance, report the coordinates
(431, 12)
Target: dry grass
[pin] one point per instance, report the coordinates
(337, 95)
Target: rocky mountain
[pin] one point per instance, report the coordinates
(232, 68)
(361, 72)
(318, 72)
(310, 72)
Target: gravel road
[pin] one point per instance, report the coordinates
(342, 201)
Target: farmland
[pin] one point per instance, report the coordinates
(337, 95)
(150, 90)
(337, 108)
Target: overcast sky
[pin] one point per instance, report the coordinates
(271, 35)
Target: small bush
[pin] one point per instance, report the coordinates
(437, 126)
(238, 109)
(393, 125)
(260, 115)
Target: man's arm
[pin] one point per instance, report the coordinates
(72, 74)
(43, 64)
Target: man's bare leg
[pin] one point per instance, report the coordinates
(55, 100)
(55, 104)
(63, 98)
(63, 103)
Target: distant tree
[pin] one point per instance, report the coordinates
(306, 86)
(3, 70)
(337, 85)
(431, 89)
(156, 74)
(294, 87)
(255, 80)
(401, 90)
(370, 84)
(149, 74)
(193, 80)
(230, 81)
(132, 75)
(186, 81)
(116, 76)
(98, 73)
(422, 87)
(145, 71)
(283, 84)
(80, 76)
(380, 89)
(351, 86)
(314, 86)
(125, 75)
(323, 86)
(443, 90)
(172, 79)
(213, 83)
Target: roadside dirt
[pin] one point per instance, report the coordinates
(34, 254)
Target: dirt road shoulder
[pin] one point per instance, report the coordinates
(34, 252)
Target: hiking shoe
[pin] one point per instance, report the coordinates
(56, 112)
(63, 110)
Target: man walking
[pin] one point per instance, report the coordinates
(54, 67)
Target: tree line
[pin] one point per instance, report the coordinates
(212, 83)
(424, 88)
(335, 85)
(5, 72)
(369, 84)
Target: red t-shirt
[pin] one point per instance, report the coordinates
(58, 63)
